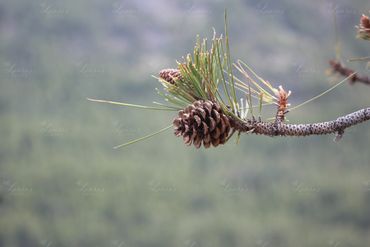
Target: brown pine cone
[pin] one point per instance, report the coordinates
(203, 122)
(170, 75)
(364, 28)
(365, 21)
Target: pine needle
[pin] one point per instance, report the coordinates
(323, 93)
(131, 105)
(228, 59)
(266, 83)
(337, 47)
(361, 59)
(143, 138)
(167, 106)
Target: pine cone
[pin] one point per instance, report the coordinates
(364, 28)
(203, 122)
(365, 21)
(170, 75)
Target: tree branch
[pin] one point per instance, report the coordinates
(282, 129)
(339, 68)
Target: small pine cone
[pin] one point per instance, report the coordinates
(365, 21)
(170, 75)
(203, 122)
(364, 28)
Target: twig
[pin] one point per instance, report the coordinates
(335, 126)
(339, 68)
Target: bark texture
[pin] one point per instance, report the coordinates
(282, 129)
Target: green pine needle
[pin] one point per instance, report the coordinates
(132, 105)
(323, 93)
(143, 138)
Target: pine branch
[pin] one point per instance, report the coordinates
(281, 129)
(203, 90)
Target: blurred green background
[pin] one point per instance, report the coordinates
(62, 183)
